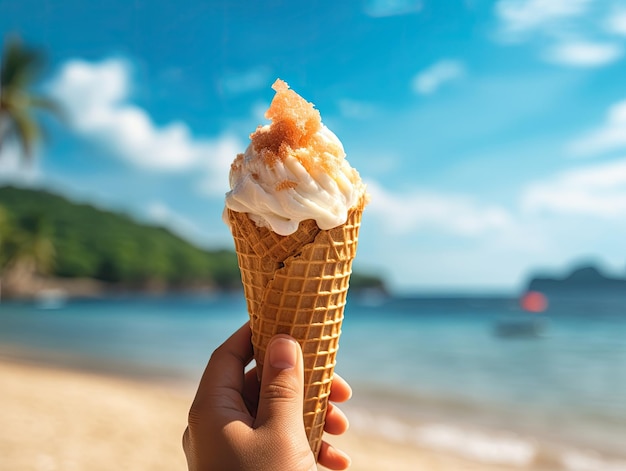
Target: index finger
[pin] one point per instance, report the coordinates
(226, 366)
(340, 390)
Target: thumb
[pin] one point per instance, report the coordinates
(282, 386)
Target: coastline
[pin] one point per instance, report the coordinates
(51, 288)
(60, 418)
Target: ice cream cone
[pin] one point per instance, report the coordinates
(297, 285)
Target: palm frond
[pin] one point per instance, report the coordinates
(26, 131)
(49, 105)
(20, 65)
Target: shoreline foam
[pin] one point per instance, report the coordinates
(482, 445)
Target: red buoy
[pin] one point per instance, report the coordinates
(534, 301)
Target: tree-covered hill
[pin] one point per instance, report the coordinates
(92, 243)
(76, 240)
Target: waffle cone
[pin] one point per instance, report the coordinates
(297, 285)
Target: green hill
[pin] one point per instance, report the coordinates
(93, 243)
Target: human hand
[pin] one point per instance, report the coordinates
(235, 423)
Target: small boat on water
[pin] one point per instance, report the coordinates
(526, 325)
(51, 299)
(520, 327)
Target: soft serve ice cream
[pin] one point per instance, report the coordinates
(293, 170)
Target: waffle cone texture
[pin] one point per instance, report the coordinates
(297, 285)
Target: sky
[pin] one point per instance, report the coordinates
(491, 134)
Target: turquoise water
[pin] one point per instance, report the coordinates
(429, 372)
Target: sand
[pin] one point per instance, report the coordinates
(68, 420)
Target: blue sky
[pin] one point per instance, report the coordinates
(491, 134)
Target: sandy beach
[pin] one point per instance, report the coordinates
(69, 420)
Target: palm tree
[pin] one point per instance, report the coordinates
(7, 243)
(19, 69)
(5, 236)
(26, 250)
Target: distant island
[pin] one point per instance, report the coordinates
(582, 279)
(48, 242)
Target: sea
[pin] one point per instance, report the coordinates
(472, 376)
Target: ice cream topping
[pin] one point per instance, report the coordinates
(294, 169)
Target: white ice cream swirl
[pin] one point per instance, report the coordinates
(286, 193)
(279, 185)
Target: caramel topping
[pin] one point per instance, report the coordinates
(295, 124)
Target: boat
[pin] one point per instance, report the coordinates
(526, 327)
(51, 298)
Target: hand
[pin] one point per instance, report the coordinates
(235, 423)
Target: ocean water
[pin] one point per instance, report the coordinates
(426, 372)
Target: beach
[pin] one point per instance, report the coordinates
(59, 419)
(92, 384)
(64, 419)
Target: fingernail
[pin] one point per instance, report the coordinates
(283, 353)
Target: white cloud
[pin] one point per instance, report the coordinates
(598, 191)
(13, 167)
(429, 80)
(163, 215)
(566, 32)
(382, 8)
(356, 109)
(584, 53)
(95, 97)
(616, 22)
(519, 17)
(222, 152)
(247, 81)
(611, 136)
(454, 214)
